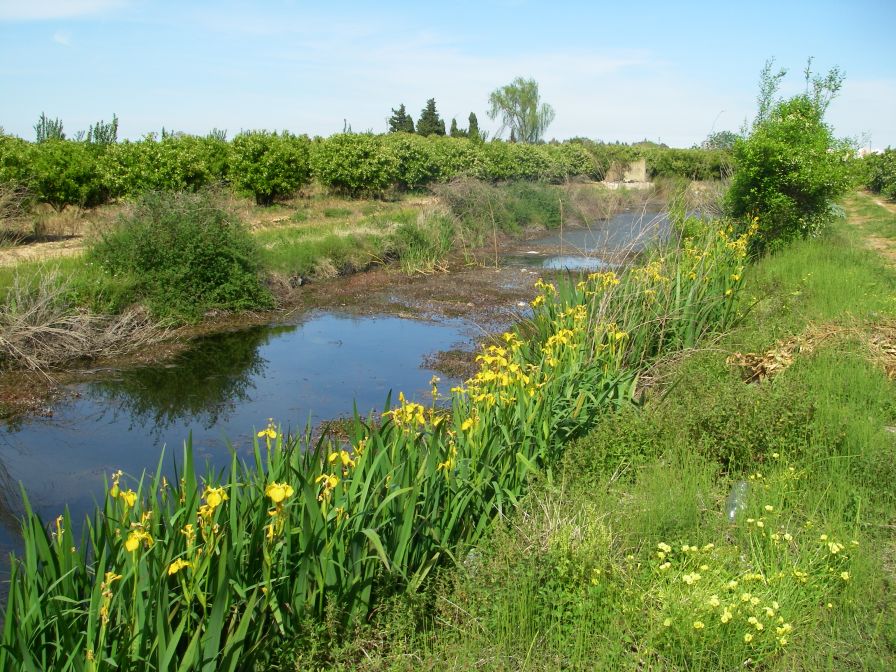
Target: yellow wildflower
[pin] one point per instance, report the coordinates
(176, 566)
(129, 497)
(344, 457)
(214, 497)
(698, 625)
(277, 492)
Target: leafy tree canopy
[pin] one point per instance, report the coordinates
(520, 109)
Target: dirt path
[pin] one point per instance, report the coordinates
(16, 254)
(884, 246)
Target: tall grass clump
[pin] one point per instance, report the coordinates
(183, 254)
(212, 572)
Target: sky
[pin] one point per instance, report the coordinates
(613, 71)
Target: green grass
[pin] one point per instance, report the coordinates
(573, 579)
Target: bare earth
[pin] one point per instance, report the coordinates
(13, 255)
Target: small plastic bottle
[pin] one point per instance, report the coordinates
(737, 500)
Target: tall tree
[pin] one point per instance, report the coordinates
(473, 129)
(401, 121)
(457, 132)
(48, 129)
(519, 106)
(430, 123)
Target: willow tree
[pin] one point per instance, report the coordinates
(519, 106)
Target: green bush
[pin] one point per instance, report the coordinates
(269, 166)
(64, 172)
(788, 173)
(693, 164)
(184, 255)
(417, 163)
(880, 173)
(354, 164)
(174, 163)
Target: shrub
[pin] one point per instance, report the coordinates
(416, 157)
(174, 163)
(64, 172)
(880, 173)
(185, 256)
(354, 164)
(269, 166)
(788, 173)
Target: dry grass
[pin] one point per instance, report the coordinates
(40, 329)
(879, 340)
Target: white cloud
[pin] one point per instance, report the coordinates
(63, 37)
(37, 10)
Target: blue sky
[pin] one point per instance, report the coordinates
(612, 70)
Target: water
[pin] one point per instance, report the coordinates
(592, 248)
(221, 390)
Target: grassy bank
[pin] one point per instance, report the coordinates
(627, 558)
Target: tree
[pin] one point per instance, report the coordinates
(720, 140)
(48, 129)
(104, 133)
(791, 168)
(473, 128)
(519, 106)
(457, 132)
(430, 123)
(401, 121)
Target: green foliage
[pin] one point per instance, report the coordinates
(628, 560)
(421, 246)
(401, 121)
(519, 106)
(790, 168)
(65, 172)
(473, 131)
(430, 123)
(183, 255)
(103, 133)
(269, 166)
(880, 173)
(48, 129)
(455, 131)
(417, 163)
(723, 140)
(174, 163)
(354, 163)
(692, 164)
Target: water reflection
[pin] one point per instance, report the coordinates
(204, 383)
(219, 391)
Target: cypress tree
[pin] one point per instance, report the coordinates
(401, 121)
(457, 132)
(430, 123)
(473, 130)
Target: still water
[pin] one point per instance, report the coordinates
(220, 390)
